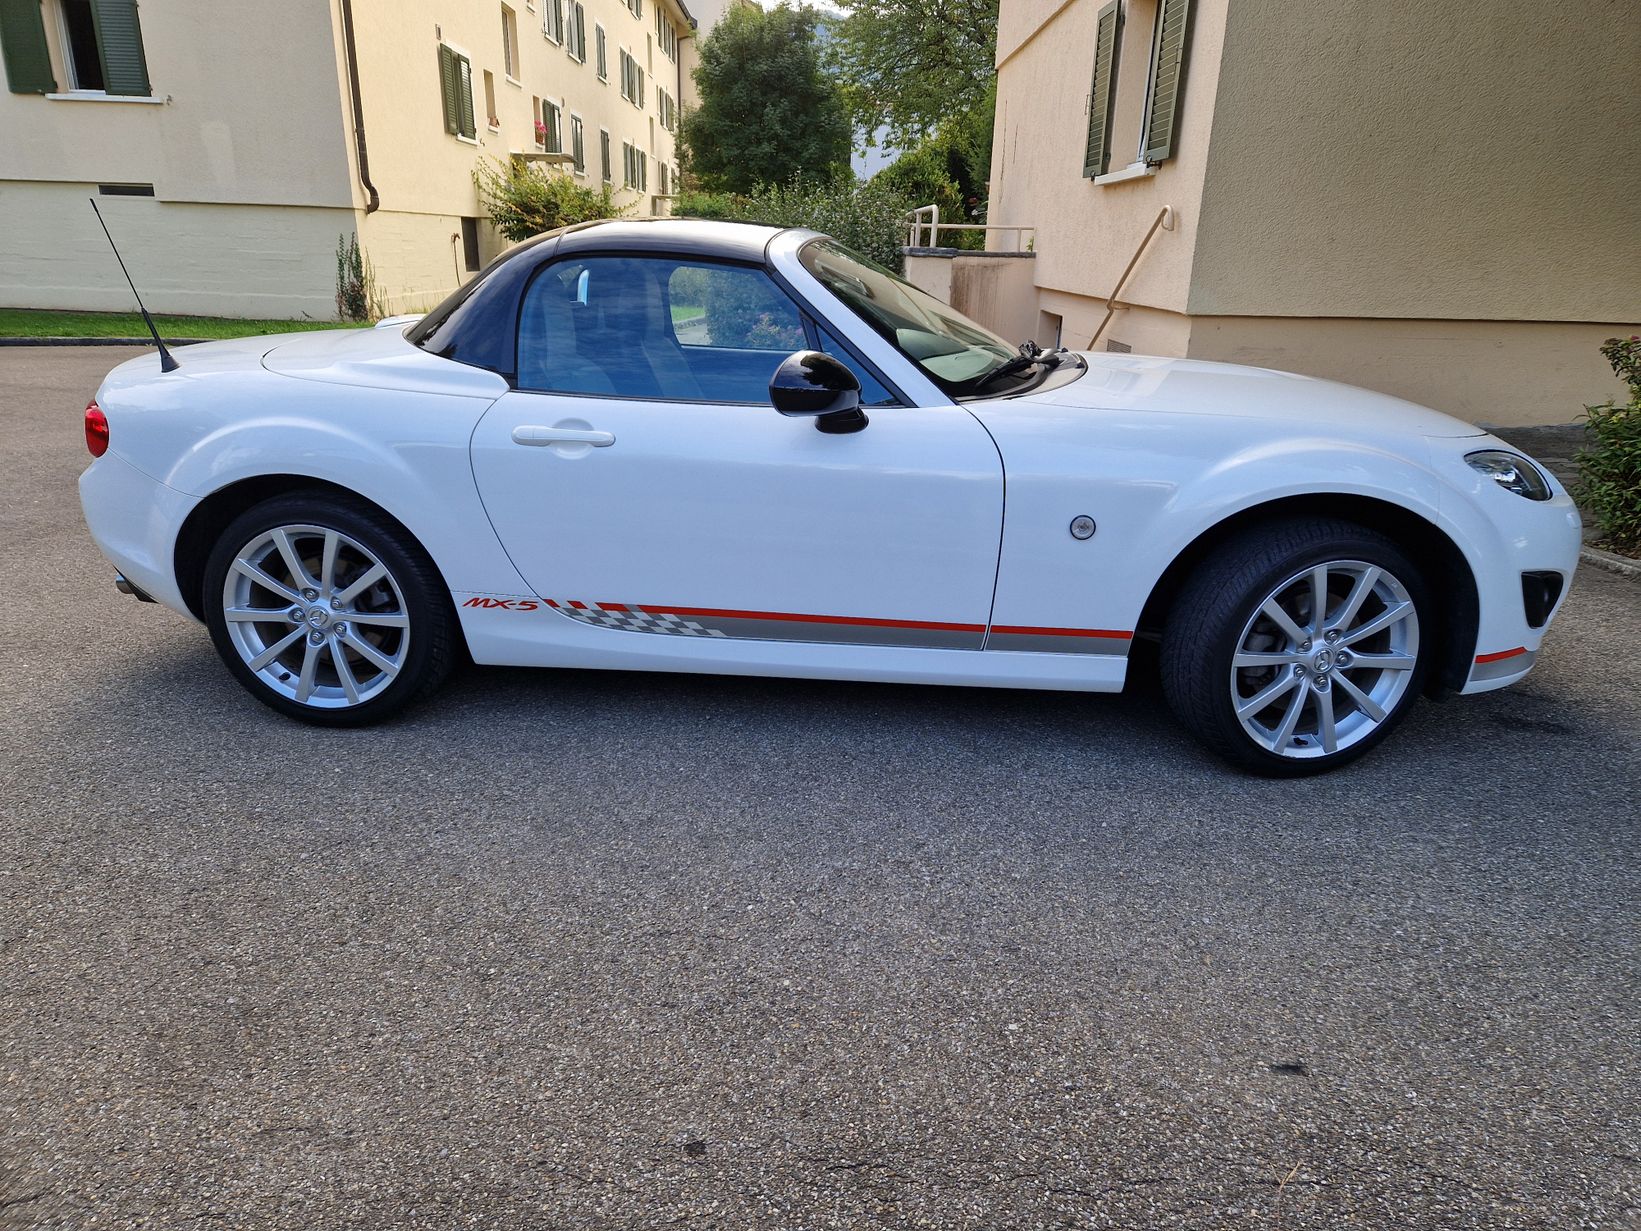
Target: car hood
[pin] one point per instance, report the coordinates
(1229, 390)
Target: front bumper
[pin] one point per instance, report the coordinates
(1506, 536)
(134, 521)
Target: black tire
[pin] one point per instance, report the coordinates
(432, 641)
(1207, 621)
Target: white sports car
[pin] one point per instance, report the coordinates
(713, 447)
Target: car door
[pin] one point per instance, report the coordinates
(641, 481)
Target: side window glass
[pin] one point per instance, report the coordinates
(655, 328)
(872, 391)
(725, 307)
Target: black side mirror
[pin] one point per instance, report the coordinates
(810, 384)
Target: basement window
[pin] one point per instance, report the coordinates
(470, 243)
(125, 190)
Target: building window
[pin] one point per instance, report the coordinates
(635, 169)
(632, 80)
(1140, 52)
(604, 154)
(603, 52)
(578, 146)
(661, 170)
(667, 107)
(102, 48)
(509, 42)
(552, 20)
(552, 118)
(470, 244)
(665, 33)
(456, 86)
(490, 99)
(575, 32)
(637, 7)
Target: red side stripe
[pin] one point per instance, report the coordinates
(611, 607)
(796, 618)
(1493, 658)
(1028, 630)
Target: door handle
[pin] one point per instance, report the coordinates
(530, 434)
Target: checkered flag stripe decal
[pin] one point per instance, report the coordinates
(634, 621)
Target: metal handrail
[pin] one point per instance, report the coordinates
(924, 221)
(1165, 220)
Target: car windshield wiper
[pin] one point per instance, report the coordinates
(1030, 355)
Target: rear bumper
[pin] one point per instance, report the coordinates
(134, 521)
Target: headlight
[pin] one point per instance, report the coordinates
(1511, 472)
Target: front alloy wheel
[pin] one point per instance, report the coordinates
(1325, 659)
(1297, 646)
(327, 610)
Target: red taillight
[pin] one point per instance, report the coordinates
(96, 430)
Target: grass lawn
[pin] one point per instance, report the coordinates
(40, 323)
(682, 314)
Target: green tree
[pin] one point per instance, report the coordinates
(768, 113)
(914, 65)
(949, 167)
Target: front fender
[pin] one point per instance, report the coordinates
(1156, 483)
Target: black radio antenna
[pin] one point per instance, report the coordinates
(167, 363)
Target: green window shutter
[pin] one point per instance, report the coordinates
(1102, 90)
(447, 89)
(464, 96)
(1168, 59)
(119, 43)
(23, 43)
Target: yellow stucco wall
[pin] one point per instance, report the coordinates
(1472, 159)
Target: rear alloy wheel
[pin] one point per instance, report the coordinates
(1299, 648)
(326, 611)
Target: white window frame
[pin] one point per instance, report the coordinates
(510, 67)
(553, 9)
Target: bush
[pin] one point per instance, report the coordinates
(523, 201)
(948, 168)
(1610, 471)
(868, 217)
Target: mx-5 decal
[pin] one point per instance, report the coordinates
(838, 629)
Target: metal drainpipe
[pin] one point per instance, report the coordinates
(373, 200)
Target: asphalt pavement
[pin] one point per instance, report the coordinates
(588, 950)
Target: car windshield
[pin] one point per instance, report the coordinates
(959, 355)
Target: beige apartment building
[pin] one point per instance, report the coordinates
(229, 145)
(1437, 200)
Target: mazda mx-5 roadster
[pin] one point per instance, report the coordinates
(672, 445)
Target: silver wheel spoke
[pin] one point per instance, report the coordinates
(1257, 702)
(1266, 658)
(327, 562)
(310, 660)
(344, 673)
(1357, 596)
(1290, 720)
(1272, 611)
(371, 655)
(1390, 615)
(1325, 725)
(1365, 703)
(245, 568)
(259, 615)
(1319, 599)
(1381, 662)
(287, 553)
(277, 648)
(386, 619)
(364, 582)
